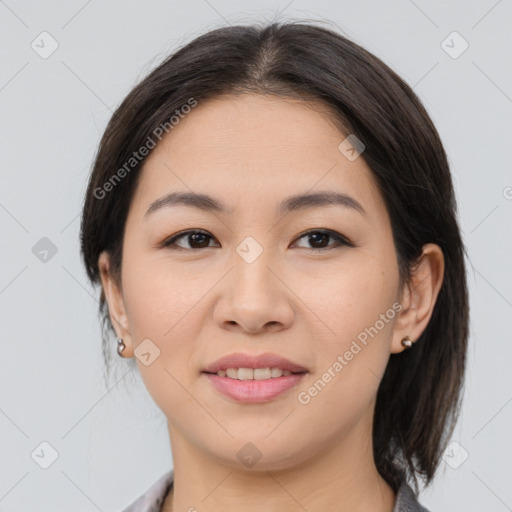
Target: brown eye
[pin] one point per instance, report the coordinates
(195, 238)
(319, 239)
(198, 239)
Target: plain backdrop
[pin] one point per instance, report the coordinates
(104, 447)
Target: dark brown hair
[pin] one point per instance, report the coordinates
(418, 400)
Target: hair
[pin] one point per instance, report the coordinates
(418, 401)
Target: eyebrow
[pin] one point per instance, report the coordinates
(297, 202)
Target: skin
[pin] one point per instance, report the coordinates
(250, 152)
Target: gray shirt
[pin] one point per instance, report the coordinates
(152, 499)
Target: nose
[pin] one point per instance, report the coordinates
(255, 298)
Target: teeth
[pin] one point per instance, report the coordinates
(276, 372)
(232, 373)
(260, 373)
(245, 374)
(253, 374)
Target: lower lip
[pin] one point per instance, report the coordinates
(254, 391)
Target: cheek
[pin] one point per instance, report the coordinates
(160, 307)
(159, 299)
(357, 310)
(351, 299)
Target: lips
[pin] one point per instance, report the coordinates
(266, 360)
(254, 391)
(263, 387)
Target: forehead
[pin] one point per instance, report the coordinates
(253, 149)
(253, 121)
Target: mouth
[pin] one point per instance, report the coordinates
(253, 379)
(252, 390)
(254, 373)
(247, 366)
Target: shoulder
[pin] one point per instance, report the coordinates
(406, 500)
(152, 499)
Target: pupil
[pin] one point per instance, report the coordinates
(194, 236)
(315, 235)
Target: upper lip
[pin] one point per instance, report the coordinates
(266, 360)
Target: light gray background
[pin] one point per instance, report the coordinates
(113, 445)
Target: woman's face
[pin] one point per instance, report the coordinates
(254, 282)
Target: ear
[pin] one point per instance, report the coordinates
(419, 296)
(115, 301)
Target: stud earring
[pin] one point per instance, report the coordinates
(407, 342)
(120, 346)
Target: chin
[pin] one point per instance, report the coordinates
(258, 452)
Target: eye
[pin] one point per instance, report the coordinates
(199, 239)
(319, 237)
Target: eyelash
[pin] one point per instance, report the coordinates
(340, 240)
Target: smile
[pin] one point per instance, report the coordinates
(253, 374)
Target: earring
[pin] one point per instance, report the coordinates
(407, 342)
(120, 346)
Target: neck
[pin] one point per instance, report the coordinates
(343, 478)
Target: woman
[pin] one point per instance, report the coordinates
(272, 220)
